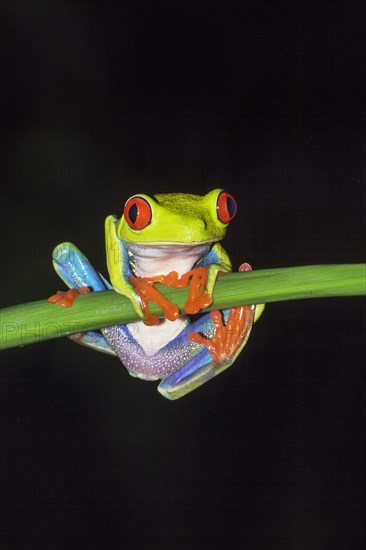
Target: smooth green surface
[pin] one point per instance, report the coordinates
(37, 321)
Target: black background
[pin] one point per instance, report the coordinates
(101, 100)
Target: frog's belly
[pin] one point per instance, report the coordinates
(153, 338)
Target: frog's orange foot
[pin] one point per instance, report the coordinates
(198, 297)
(144, 287)
(67, 298)
(229, 337)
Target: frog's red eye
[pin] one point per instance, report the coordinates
(226, 207)
(137, 213)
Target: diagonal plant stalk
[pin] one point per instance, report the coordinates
(38, 321)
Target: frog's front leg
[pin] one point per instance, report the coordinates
(119, 265)
(218, 261)
(223, 335)
(200, 279)
(215, 262)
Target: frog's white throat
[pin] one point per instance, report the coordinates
(149, 260)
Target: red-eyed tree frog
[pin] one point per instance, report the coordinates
(172, 239)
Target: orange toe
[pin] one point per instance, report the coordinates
(68, 297)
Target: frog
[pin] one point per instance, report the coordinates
(173, 239)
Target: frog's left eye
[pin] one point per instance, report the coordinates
(137, 212)
(226, 207)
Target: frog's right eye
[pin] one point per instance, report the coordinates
(226, 207)
(137, 212)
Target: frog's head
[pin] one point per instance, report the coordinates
(176, 218)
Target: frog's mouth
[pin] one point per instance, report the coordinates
(184, 245)
(149, 260)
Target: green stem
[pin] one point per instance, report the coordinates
(37, 321)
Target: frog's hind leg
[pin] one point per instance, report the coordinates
(223, 335)
(76, 271)
(94, 340)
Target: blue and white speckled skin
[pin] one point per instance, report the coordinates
(181, 364)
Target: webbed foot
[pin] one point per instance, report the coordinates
(68, 297)
(229, 338)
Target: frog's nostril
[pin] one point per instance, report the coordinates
(203, 224)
